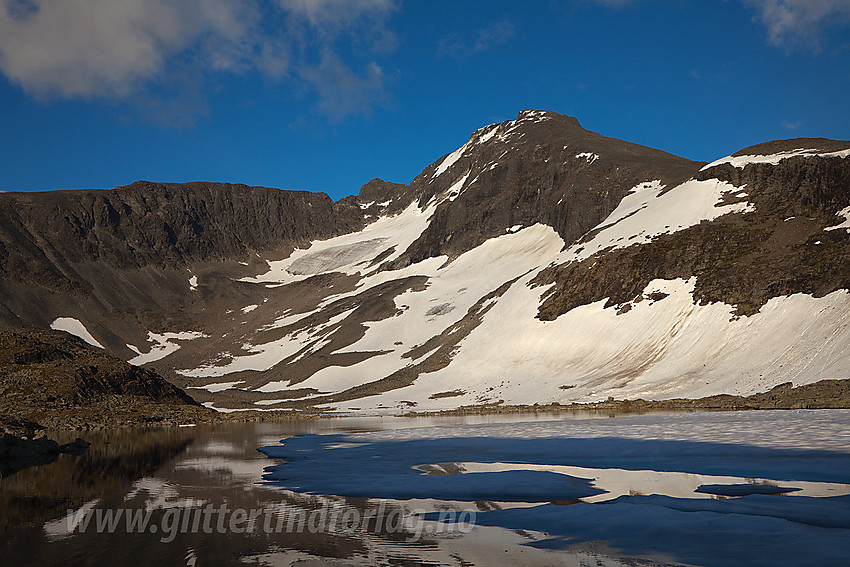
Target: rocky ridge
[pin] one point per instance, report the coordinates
(56, 380)
(538, 262)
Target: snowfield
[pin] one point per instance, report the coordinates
(76, 328)
(163, 345)
(350, 253)
(483, 301)
(648, 212)
(773, 159)
(657, 350)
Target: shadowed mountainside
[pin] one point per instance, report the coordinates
(538, 262)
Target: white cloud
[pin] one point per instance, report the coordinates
(342, 91)
(118, 49)
(790, 23)
(85, 48)
(484, 39)
(337, 13)
(794, 23)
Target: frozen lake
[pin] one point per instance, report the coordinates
(726, 488)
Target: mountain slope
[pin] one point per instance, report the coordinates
(539, 262)
(59, 381)
(123, 257)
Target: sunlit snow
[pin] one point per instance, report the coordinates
(163, 345)
(588, 156)
(774, 159)
(76, 328)
(647, 212)
(846, 224)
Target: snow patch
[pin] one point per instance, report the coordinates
(774, 159)
(193, 283)
(456, 189)
(163, 346)
(488, 133)
(286, 319)
(846, 224)
(76, 328)
(350, 253)
(450, 160)
(532, 116)
(218, 386)
(645, 213)
(588, 156)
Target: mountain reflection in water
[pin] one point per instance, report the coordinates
(387, 491)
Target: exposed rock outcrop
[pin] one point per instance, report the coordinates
(538, 262)
(57, 380)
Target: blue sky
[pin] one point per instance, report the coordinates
(325, 95)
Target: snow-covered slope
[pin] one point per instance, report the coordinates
(537, 263)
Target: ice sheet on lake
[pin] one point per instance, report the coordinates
(451, 462)
(755, 445)
(754, 530)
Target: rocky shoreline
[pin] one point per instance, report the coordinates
(826, 394)
(23, 444)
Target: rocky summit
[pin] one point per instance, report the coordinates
(538, 263)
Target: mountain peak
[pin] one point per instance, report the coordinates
(539, 262)
(540, 115)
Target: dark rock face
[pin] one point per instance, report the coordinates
(542, 168)
(824, 145)
(780, 248)
(136, 262)
(166, 225)
(51, 377)
(121, 256)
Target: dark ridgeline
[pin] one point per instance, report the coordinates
(121, 259)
